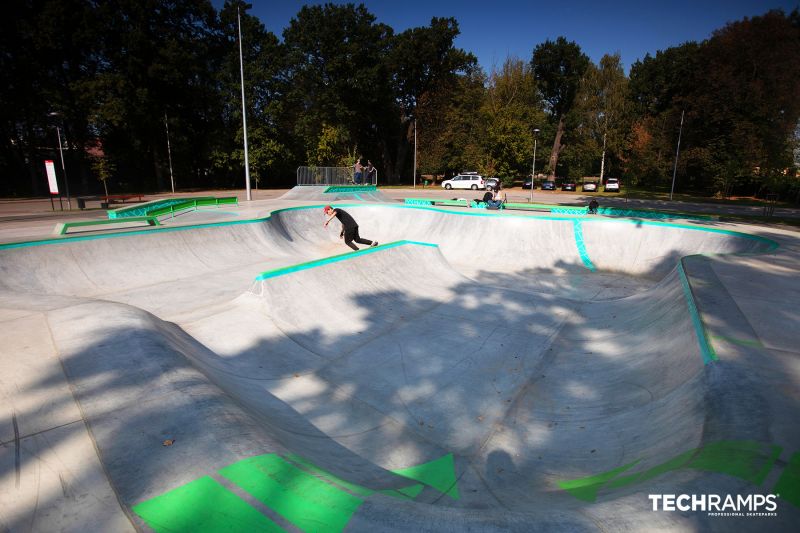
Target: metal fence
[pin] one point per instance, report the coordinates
(334, 176)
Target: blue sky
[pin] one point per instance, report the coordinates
(495, 29)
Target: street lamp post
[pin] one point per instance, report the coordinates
(677, 153)
(61, 153)
(533, 165)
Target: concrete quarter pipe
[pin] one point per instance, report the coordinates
(482, 373)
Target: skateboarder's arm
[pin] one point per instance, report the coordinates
(333, 214)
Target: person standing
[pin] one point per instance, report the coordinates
(349, 227)
(370, 175)
(358, 168)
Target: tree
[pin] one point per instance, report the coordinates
(558, 66)
(511, 111)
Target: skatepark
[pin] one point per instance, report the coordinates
(241, 369)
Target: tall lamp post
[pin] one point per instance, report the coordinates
(533, 165)
(244, 110)
(677, 153)
(61, 153)
(415, 153)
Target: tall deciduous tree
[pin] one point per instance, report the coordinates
(559, 66)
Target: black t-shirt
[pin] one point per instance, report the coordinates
(347, 221)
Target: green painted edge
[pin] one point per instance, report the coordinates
(203, 506)
(772, 245)
(439, 474)
(314, 469)
(336, 258)
(741, 342)
(586, 488)
(699, 327)
(788, 485)
(748, 460)
(406, 493)
(577, 228)
(350, 188)
(306, 501)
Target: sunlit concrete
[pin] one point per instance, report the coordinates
(530, 362)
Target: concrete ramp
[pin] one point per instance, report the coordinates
(473, 372)
(336, 193)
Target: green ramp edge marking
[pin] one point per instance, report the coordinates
(439, 474)
(335, 259)
(314, 469)
(788, 486)
(586, 488)
(301, 498)
(699, 328)
(579, 242)
(202, 506)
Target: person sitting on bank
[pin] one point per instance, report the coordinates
(497, 200)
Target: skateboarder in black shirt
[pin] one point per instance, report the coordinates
(349, 227)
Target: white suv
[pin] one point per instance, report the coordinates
(612, 185)
(465, 181)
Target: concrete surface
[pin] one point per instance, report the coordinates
(492, 372)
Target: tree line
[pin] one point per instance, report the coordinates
(145, 90)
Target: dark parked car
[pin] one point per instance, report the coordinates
(548, 185)
(527, 183)
(568, 185)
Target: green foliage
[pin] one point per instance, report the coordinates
(341, 84)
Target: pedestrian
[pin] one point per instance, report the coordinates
(358, 167)
(370, 173)
(349, 227)
(593, 205)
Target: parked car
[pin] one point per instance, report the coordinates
(568, 185)
(590, 186)
(465, 181)
(612, 185)
(548, 185)
(491, 183)
(528, 183)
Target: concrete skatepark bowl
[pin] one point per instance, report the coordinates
(481, 372)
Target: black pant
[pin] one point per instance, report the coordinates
(351, 234)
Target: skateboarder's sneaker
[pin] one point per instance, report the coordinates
(374, 243)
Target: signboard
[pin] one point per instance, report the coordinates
(51, 176)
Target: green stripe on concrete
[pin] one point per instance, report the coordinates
(741, 342)
(699, 328)
(748, 460)
(335, 259)
(301, 498)
(586, 488)
(439, 474)
(788, 486)
(579, 242)
(314, 469)
(350, 188)
(202, 506)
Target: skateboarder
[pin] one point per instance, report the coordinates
(349, 227)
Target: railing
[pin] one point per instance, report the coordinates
(171, 206)
(335, 176)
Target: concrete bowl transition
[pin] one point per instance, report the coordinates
(481, 372)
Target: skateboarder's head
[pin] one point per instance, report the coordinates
(327, 210)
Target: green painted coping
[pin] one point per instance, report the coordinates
(202, 506)
(746, 460)
(336, 258)
(314, 469)
(301, 498)
(788, 486)
(577, 229)
(350, 188)
(439, 474)
(706, 349)
(770, 244)
(586, 488)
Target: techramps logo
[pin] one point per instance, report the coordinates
(730, 505)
